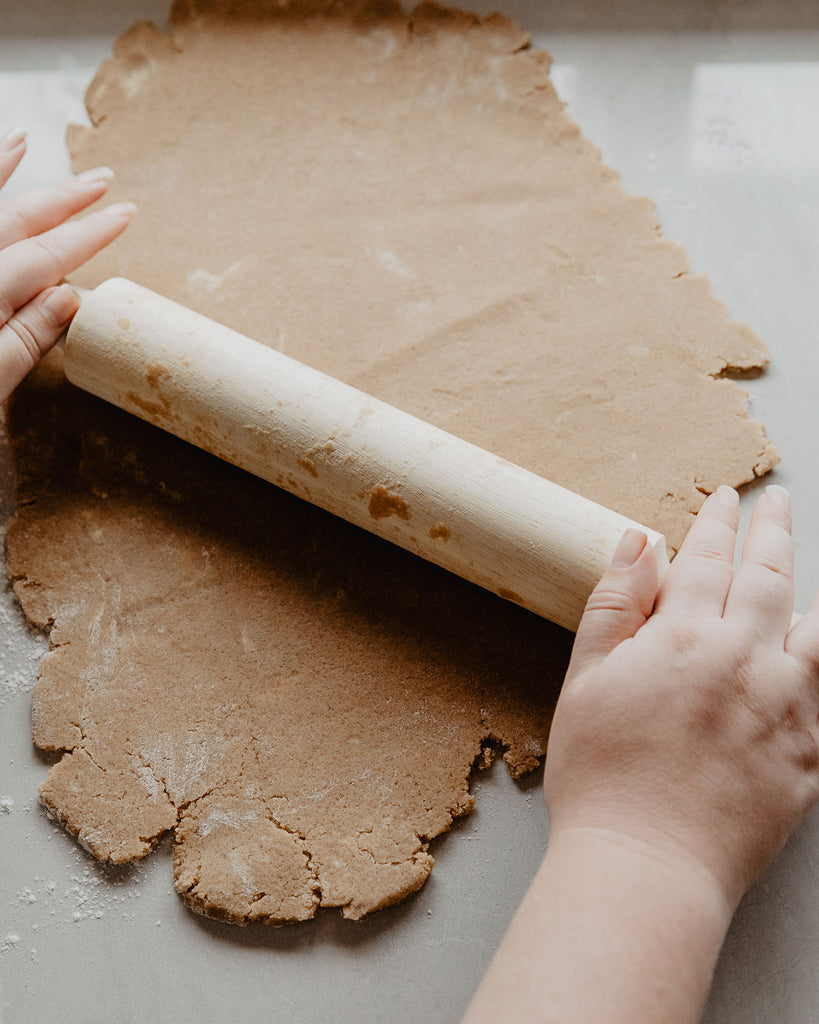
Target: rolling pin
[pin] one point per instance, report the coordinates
(477, 515)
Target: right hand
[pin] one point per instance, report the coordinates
(690, 728)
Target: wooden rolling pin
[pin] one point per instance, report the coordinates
(500, 526)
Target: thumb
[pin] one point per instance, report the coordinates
(620, 603)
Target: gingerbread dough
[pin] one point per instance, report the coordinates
(401, 201)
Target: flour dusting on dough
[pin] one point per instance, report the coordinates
(300, 703)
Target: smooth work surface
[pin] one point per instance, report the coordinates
(716, 118)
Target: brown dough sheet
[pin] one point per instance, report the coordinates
(401, 201)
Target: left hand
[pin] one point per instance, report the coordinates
(37, 249)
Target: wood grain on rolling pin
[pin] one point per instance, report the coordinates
(494, 523)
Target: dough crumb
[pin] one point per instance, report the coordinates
(301, 704)
(384, 503)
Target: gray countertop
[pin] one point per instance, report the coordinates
(715, 115)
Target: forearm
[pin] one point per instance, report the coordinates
(607, 934)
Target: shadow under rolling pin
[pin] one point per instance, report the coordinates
(477, 515)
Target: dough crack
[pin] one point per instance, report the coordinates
(159, 780)
(261, 678)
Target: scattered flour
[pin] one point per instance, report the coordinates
(86, 895)
(20, 650)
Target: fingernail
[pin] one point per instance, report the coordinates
(727, 496)
(12, 139)
(120, 209)
(94, 174)
(629, 549)
(778, 495)
(60, 305)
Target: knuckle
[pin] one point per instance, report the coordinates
(773, 566)
(700, 640)
(25, 338)
(711, 553)
(608, 598)
(12, 220)
(769, 589)
(50, 251)
(684, 637)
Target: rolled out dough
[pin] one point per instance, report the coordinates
(401, 201)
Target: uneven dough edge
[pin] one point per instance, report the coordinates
(142, 45)
(742, 353)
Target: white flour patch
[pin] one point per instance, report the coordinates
(20, 650)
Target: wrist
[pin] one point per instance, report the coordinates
(646, 860)
(648, 925)
(612, 930)
(707, 850)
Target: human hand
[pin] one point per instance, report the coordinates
(37, 249)
(692, 731)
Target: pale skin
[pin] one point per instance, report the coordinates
(39, 245)
(685, 745)
(685, 749)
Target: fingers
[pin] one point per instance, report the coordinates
(31, 332)
(29, 266)
(620, 603)
(802, 642)
(699, 578)
(763, 590)
(37, 249)
(41, 209)
(12, 148)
